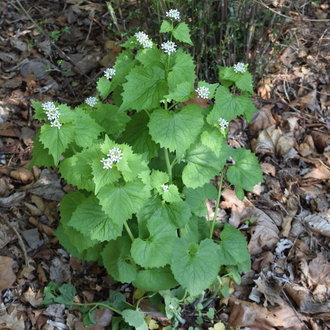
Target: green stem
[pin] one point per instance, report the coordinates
(217, 203)
(168, 164)
(99, 304)
(128, 231)
(174, 162)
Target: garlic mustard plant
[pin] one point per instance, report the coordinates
(143, 163)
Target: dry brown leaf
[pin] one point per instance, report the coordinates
(307, 147)
(230, 201)
(288, 56)
(33, 298)
(268, 169)
(319, 270)
(319, 223)
(321, 140)
(198, 101)
(320, 172)
(22, 174)
(262, 120)
(7, 276)
(246, 314)
(264, 235)
(10, 321)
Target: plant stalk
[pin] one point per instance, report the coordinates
(99, 304)
(168, 164)
(128, 231)
(217, 203)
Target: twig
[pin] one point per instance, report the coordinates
(20, 241)
(288, 17)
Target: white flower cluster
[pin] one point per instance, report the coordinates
(165, 187)
(173, 13)
(168, 47)
(203, 92)
(114, 156)
(240, 67)
(223, 123)
(143, 39)
(91, 101)
(53, 114)
(109, 73)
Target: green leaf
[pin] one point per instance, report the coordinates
(217, 142)
(144, 89)
(116, 259)
(86, 129)
(195, 230)
(67, 293)
(163, 217)
(90, 220)
(166, 27)
(183, 71)
(56, 140)
(138, 137)
(196, 198)
(120, 202)
(40, 155)
(202, 166)
(211, 87)
(229, 106)
(155, 279)
(155, 251)
(245, 82)
(246, 172)
(104, 87)
(176, 130)
(182, 33)
(76, 170)
(39, 112)
(135, 319)
(70, 238)
(195, 266)
(181, 93)
(151, 57)
(110, 118)
(233, 248)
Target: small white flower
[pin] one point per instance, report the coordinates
(49, 106)
(55, 123)
(173, 13)
(114, 156)
(91, 101)
(223, 123)
(165, 187)
(168, 47)
(143, 39)
(240, 67)
(107, 163)
(52, 113)
(203, 92)
(109, 73)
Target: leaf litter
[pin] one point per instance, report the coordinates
(286, 224)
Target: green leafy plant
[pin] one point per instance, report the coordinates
(143, 166)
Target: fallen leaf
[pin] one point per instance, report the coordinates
(7, 276)
(264, 233)
(319, 270)
(230, 201)
(320, 172)
(319, 223)
(10, 321)
(262, 120)
(246, 314)
(22, 174)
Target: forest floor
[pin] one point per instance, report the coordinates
(289, 221)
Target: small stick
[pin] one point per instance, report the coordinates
(20, 241)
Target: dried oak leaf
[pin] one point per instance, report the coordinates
(246, 314)
(320, 172)
(265, 232)
(7, 276)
